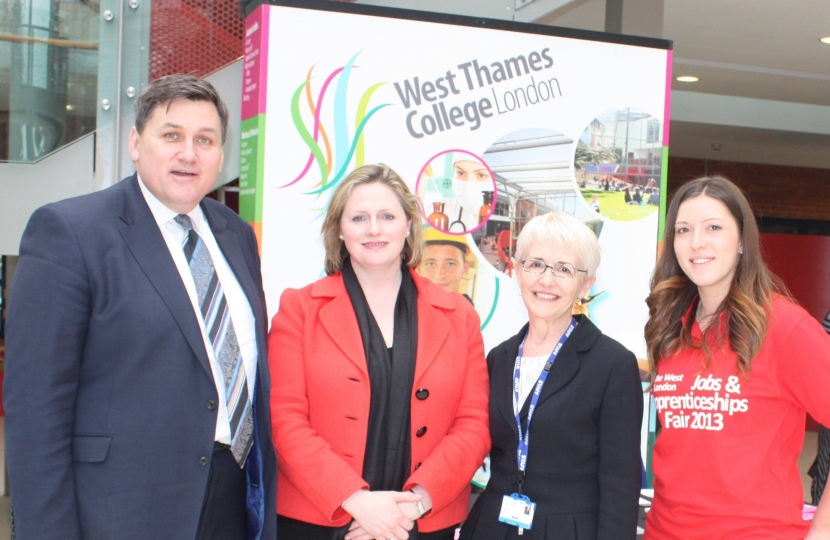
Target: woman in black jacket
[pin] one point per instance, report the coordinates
(579, 475)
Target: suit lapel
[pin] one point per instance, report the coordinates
(339, 321)
(432, 323)
(229, 242)
(503, 379)
(564, 369)
(566, 365)
(432, 332)
(144, 239)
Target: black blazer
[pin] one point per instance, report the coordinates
(109, 395)
(584, 467)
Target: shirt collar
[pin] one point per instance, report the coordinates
(162, 214)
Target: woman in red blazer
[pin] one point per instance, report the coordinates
(379, 400)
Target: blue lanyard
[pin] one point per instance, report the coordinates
(522, 450)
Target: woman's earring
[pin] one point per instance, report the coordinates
(341, 237)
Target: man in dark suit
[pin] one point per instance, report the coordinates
(137, 385)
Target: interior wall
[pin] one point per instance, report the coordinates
(25, 187)
(803, 263)
(773, 190)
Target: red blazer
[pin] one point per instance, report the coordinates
(320, 402)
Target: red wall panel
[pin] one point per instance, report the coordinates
(803, 263)
(195, 36)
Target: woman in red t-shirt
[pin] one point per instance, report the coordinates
(736, 365)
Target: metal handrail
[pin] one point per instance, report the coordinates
(52, 42)
(44, 156)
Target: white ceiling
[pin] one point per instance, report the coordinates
(760, 49)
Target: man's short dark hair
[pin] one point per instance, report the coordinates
(175, 88)
(460, 245)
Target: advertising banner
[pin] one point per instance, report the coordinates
(490, 123)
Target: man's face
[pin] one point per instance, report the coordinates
(444, 265)
(179, 154)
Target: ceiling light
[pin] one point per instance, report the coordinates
(825, 40)
(688, 78)
(70, 107)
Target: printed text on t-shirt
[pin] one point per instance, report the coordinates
(704, 410)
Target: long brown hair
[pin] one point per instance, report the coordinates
(746, 304)
(335, 249)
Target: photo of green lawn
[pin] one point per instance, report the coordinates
(612, 204)
(619, 151)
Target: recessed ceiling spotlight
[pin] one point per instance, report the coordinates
(825, 40)
(688, 78)
(70, 107)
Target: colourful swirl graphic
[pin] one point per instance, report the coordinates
(493, 307)
(348, 150)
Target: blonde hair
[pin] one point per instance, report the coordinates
(563, 229)
(336, 252)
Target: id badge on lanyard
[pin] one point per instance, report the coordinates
(517, 509)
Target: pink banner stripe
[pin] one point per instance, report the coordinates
(255, 69)
(263, 57)
(667, 110)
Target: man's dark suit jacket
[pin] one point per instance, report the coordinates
(583, 467)
(109, 396)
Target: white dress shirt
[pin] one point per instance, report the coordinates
(241, 314)
(529, 370)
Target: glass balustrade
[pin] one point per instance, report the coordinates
(48, 75)
(72, 67)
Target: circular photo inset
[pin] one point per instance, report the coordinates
(449, 262)
(457, 191)
(618, 164)
(534, 177)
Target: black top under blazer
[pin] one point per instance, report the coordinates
(584, 466)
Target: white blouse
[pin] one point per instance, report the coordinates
(529, 370)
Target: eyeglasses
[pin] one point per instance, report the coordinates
(559, 270)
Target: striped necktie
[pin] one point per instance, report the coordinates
(213, 307)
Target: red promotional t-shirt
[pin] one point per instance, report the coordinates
(725, 463)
